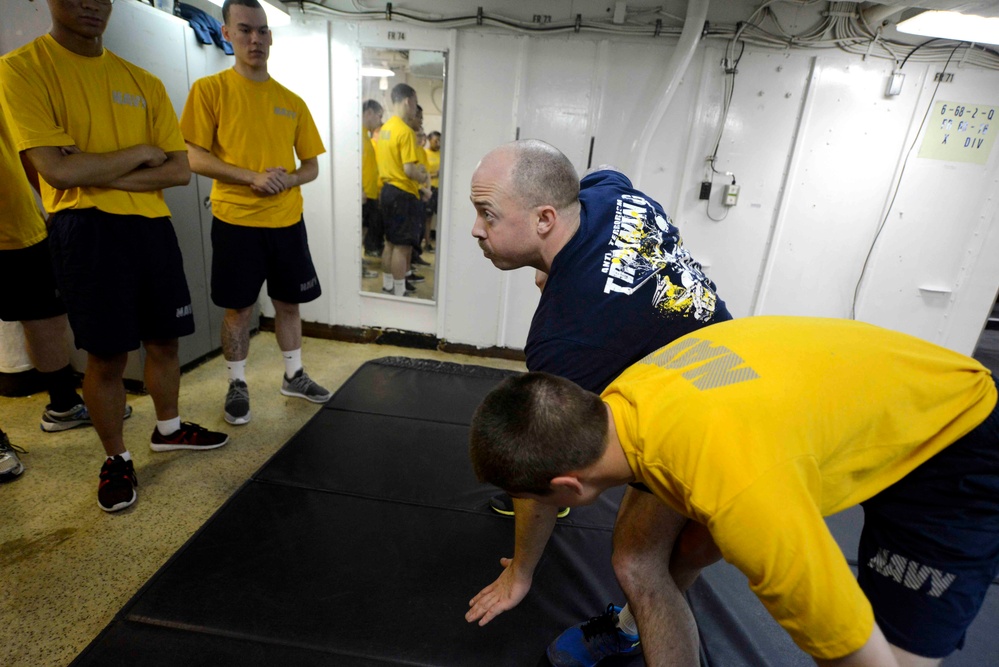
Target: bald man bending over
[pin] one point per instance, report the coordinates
(617, 285)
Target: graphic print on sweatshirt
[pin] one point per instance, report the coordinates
(645, 245)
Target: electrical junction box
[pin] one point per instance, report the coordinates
(731, 194)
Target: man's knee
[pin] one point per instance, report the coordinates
(285, 309)
(162, 350)
(105, 367)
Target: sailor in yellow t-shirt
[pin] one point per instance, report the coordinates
(30, 297)
(103, 136)
(434, 160)
(400, 173)
(757, 428)
(371, 121)
(244, 129)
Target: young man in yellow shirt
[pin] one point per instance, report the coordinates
(31, 298)
(371, 218)
(758, 428)
(401, 174)
(434, 160)
(243, 129)
(103, 137)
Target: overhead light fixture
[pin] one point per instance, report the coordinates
(277, 15)
(369, 70)
(953, 25)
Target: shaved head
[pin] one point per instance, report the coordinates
(541, 174)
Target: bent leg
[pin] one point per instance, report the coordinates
(644, 535)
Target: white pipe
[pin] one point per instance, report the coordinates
(697, 12)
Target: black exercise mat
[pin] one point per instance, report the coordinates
(360, 542)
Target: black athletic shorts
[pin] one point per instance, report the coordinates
(431, 206)
(121, 278)
(29, 290)
(244, 257)
(929, 549)
(371, 220)
(401, 211)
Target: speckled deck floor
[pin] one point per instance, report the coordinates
(66, 567)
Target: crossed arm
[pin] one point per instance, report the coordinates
(140, 168)
(271, 181)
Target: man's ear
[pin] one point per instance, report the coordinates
(570, 483)
(547, 218)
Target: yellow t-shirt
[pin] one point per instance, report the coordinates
(21, 223)
(434, 166)
(759, 427)
(396, 147)
(369, 167)
(253, 125)
(55, 97)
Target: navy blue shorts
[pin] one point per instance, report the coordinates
(29, 288)
(402, 216)
(244, 257)
(930, 546)
(121, 278)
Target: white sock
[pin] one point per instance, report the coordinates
(399, 289)
(626, 622)
(237, 370)
(126, 456)
(387, 281)
(168, 426)
(292, 362)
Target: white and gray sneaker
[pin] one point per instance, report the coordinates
(10, 466)
(302, 386)
(237, 403)
(77, 415)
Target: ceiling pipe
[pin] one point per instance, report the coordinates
(875, 14)
(697, 12)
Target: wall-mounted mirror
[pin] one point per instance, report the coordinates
(386, 173)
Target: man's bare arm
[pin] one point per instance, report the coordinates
(307, 171)
(533, 526)
(65, 167)
(415, 171)
(175, 171)
(877, 652)
(205, 163)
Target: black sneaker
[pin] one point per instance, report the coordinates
(188, 436)
(414, 277)
(237, 403)
(117, 487)
(10, 466)
(501, 503)
(419, 261)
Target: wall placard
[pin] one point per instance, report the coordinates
(960, 132)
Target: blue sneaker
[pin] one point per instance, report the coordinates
(586, 644)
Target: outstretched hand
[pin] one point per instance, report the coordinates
(503, 594)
